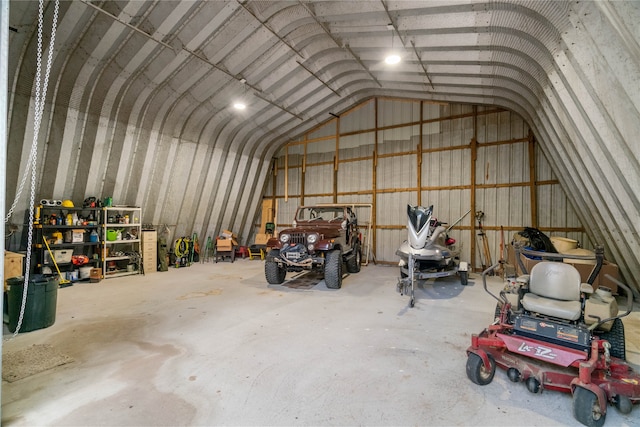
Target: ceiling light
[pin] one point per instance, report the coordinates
(392, 59)
(239, 106)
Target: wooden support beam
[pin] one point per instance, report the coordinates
(274, 188)
(286, 174)
(337, 143)
(374, 183)
(419, 156)
(303, 174)
(532, 180)
(474, 158)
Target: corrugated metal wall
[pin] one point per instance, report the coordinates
(139, 101)
(388, 162)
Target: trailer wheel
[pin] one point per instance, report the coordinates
(464, 277)
(586, 408)
(615, 336)
(333, 269)
(274, 273)
(477, 372)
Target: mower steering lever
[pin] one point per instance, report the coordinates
(484, 280)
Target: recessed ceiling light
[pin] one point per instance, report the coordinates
(392, 59)
(239, 106)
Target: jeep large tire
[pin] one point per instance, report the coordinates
(272, 270)
(353, 263)
(333, 269)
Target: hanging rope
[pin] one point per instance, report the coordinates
(33, 155)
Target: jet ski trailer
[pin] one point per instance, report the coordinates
(428, 253)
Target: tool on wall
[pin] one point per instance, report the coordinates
(195, 253)
(501, 268)
(208, 251)
(508, 269)
(457, 221)
(485, 256)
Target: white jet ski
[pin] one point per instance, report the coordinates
(429, 252)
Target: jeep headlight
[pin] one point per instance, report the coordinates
(312, 238)
(284, 237)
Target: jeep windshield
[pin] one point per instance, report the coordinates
(320, 213)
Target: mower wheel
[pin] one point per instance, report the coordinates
(615, 336)
(477, 372)
(586, 408)
(623, 404)
(533, 385)
(464, 277)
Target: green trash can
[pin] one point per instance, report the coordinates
(40, 309)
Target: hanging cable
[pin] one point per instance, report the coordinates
(33, 155)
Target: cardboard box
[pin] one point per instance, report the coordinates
(224, 244)
(13, 266)
(74, 236)
(607, 268)
(228, 234)
(95, 275)
(262, 239)
(584, 270)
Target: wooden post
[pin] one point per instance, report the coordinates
(274, 188)
(304, 170)
(532, 180)
(374, 184)
(286, 173)
(419, 171)
(336, 161)
(474, 158)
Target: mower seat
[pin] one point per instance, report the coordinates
(554, 290)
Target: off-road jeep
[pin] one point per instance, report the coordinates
(322, 238)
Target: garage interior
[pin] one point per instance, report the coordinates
(524, 111)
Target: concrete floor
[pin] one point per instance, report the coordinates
(213, 344)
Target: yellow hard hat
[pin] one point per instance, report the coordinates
(67, 203)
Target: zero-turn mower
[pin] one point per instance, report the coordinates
(553, 332)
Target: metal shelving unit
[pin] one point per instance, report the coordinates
(121, 240)
(44, 228)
